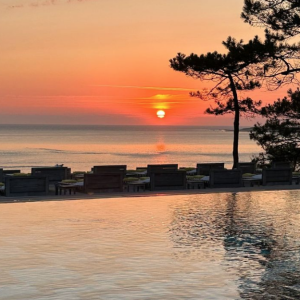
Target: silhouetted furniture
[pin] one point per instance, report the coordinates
(161, 167)
(136, 186)
(77, 176)
(26, 185)
(104, 182)
(247, 167)
(296, 179)
(189, 171)
(110, 169)
(167, 180)
(60, 187)
(225, 178)
(277, 176)
(54, 174)
(6, 172)
(253, 180)
(195, 184)
(281, 164)
(205, 168)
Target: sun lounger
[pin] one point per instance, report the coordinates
(277, 176)
(62, 187)
(195, 184)
(205, 168)
(225, 178)
(104, 182)
(252, 180)
(136, 186)
(168, 180)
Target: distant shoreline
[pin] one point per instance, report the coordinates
(242, 129)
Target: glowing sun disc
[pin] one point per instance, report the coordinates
(161, 114)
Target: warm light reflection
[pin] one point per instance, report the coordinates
(161, 147)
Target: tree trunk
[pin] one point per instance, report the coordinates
(236, 124)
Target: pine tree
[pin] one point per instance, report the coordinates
(244, 67)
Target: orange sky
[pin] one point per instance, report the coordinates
(107, 62)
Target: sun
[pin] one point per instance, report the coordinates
(161, 114)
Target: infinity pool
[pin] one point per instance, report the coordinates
(212, 246)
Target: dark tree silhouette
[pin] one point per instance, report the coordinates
(280, 135)
(282, 21)
(280, 17)
(243, 68)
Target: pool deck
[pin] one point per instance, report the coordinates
(82, 196)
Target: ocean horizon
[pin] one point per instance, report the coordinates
(82, 146)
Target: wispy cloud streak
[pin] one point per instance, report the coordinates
(146, 87)
(39, 3)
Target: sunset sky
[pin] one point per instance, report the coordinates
(107, 61)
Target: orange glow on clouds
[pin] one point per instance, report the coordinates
(107, 62)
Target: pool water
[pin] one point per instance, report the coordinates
(206, 246)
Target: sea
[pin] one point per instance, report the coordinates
(82, 147)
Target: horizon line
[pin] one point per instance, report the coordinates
(125, 125)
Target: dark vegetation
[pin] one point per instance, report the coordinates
(269, 63)
(279, 137)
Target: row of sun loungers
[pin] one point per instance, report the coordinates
(117, 178)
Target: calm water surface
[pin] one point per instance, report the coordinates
(217, 246)
(81, 147)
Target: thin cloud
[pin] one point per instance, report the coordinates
(171, 99)
(146, 87)
(39, 3)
